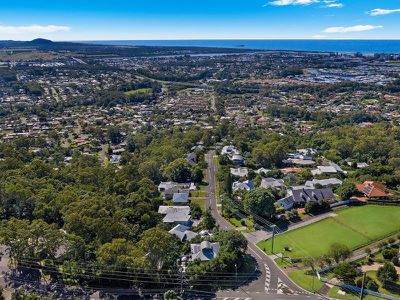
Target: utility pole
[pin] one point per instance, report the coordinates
(181, 282)
(181, 266)
(362, 286)
(273, 238)
(236, 275)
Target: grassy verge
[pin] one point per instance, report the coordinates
(198, 194)
(305, 280)
(200, 202)
(333, 292)
(238, 223)
(217, 188)
(282, 263)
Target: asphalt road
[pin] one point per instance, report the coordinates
(273, 282)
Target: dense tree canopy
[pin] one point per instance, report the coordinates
(260, 202)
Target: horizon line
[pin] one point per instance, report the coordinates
(216, 39)
(236, 39)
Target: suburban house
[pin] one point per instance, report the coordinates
(245, 185)
(299, 159)
(372, 189)
(239, 172)
(294, 170)
(204, 251)
(176, 215)
(191, 158)
(237, 159)
(168, 189)
(299, 156)
(180, 198)
(307, 151)
(262, 170)
(361, 165)
(233, 154)
(229, 150)
(298, 197)
(183, 232)
(298, 162)
(332, 168)
(114, 159)
(272, 183)
(324, 182)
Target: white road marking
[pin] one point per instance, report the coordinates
(267, 278)
(284, 289)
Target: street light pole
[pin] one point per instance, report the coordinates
(181, 282)
(236, 275)
(273, 239)
(362, 286)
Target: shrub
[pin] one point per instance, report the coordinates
(395, 261)
(389, 253)
(195, 210)
(292, 215)
(369, 284)
(345, 272)
(372, 286)
(339, 252)
(387, 273)
(314, 207)
(382, 244)
(280, 210)
(391, 240)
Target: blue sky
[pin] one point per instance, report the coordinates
(204, 19)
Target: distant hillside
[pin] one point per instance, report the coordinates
(35, 43)
(91, 49)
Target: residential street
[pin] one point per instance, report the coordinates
(272, 281)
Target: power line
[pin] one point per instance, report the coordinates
(131, 276)
(33, 259)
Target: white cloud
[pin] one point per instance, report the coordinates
(328, 3)
(35, 29)
(319, 36)
(292, 2)
(357, 28)
(381, 12)
(334, 5)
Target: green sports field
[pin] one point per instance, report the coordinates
(353, 227)
(139, 91)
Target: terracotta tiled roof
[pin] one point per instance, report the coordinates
(372, 189)
(291, 170)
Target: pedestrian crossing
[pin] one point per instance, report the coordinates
(232, 298)
(283, 288)
(267, 278)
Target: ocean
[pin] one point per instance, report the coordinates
(351, 46)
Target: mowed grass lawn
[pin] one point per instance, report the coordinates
(138, 91)
(352, 227)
